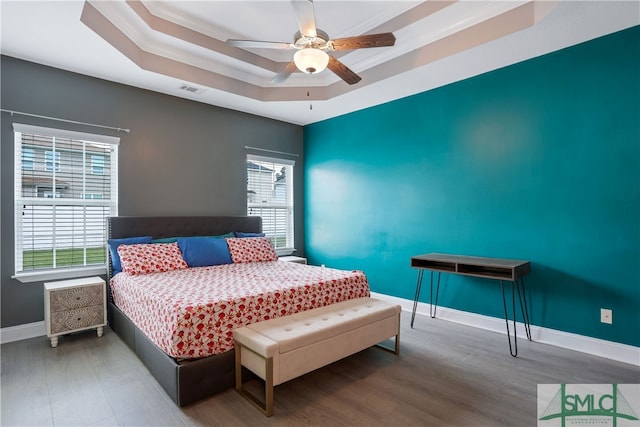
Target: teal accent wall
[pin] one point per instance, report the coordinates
(538, 161)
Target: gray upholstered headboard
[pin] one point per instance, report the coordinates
(172, 226)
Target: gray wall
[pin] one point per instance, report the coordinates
(181, 157)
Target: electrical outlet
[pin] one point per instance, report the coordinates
(606, 315)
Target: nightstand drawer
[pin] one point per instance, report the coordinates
(79, 318)
(72, 298)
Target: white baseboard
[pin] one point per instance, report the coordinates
(597, 347)
(22, 332)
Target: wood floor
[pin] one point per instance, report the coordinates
(446, 375)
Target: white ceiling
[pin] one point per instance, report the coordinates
(162, 45)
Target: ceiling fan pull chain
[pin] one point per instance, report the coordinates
(310, 104)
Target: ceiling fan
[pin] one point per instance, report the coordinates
(312, 45)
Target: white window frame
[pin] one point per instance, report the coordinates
(257, 207)
(74, 203)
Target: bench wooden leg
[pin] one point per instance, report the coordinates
(268, 388)
(396, 348)
(267, 406)
(398, 337)
(238, 351)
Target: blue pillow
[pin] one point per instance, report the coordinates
(175, 239)
(241, 234)
(202, 251)
(113, 249)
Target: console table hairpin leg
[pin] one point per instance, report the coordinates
(524, 309)
(432, 307)
(518, 285)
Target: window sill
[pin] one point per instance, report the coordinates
(59, 274)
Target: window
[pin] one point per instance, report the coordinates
(27, 159)
(97, 164)
(93, 196)
(270, 196)
(52, 161)
(61, 204)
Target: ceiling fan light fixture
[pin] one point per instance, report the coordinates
(311, 60)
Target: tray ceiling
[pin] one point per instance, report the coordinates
(177, 47)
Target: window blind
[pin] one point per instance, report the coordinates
(65, 188)
(270, 196)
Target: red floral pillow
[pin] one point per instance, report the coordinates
(151, 258)
(251, 249)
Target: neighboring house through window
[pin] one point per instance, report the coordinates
(27, 159)
(52, 161)
(270, 196)
(65, 187)
(97, 164)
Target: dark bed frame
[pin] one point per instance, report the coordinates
(184, 381)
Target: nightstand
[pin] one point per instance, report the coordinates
(74, 305)
(292, 258)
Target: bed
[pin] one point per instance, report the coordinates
(191, 363)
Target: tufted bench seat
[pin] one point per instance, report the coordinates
(284, 348)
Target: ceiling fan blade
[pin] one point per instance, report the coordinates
(305, 16)
(257, 44)
(343, 71)
(359, 42)
(284, 74)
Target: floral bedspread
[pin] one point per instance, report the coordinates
(192, 313)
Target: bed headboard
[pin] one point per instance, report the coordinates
(171, 226)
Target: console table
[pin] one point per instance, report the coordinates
(503, 270)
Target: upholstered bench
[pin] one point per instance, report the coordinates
(281, 349)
